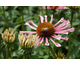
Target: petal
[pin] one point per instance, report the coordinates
(66, 26)
(41, 17)
(57, 36)
(64, 31)
(30, 25)
(45, 18)
(61, 20)
(51, 19)
(28, 32)
(47, 43)
(37, 43)
(57, 44)
(62, 25)
(41, 40)
(61, 32)
(65, 38)
(43, 7)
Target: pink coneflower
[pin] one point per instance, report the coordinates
(55, 7)
(48, 31)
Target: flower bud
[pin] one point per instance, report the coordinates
(8, 35)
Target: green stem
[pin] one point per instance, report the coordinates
(42, 10)
(4, 17)
(52, 52)
(22, 19)
(7, 52)
(54, 14)
(24, 55)
(10, 53)
(70, 36)
(38, 10)
(78, 28)
(46, 11)
(72, 18)
(28, 11)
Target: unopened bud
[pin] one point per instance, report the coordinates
(8, 35)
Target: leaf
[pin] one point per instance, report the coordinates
(76, 23)
(15, 28)
(74, 51)
(1, 29)
(16, 53)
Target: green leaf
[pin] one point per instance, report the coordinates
(1, 29)
(15, 28)
(75, 23)
(74, 51)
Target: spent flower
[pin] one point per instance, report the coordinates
(27, 41)
(55, 7)
(8, 35)
(46, 30)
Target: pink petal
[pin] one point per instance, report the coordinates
(28, 32)
(57, 44)
(61, 20)
(62, 25)
(47, 44)
(66, 26)
(57, 36)
(41, 40)
(57, 9)
(62, 7)
(45, 18)
(65, 38)
(61, 32)
(41, 18)
(37, 43)
(64, 31)
(43, 7)
(51, 19)
(30, 25)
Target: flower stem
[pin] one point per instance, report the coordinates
(42, 11)
(22, 19)
(78, 28)
(54, 14)
(4, 17)
(10, 53)
(52, 51)
(46, 11)
(38, 10)
(7, 52)
(24, 55)
(70, 35)
(28, 11)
